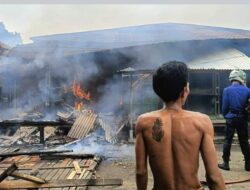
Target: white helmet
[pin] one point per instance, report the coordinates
(238, 75)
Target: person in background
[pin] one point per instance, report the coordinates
(172, 138)
(235, 101)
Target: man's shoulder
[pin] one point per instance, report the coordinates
(228, 88)
(201, 121)
(196, 114)
(246, 88)
(147, 118)
(148, 115)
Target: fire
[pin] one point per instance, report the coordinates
(78, 105)
(80, 94)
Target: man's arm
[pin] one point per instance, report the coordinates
(214, 178)
(141, 158)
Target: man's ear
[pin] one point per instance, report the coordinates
(182, 93)
(185, 91)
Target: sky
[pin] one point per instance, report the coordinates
(35, 20)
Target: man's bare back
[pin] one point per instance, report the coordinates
(172, 140)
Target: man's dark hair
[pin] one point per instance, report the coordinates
(169, 80)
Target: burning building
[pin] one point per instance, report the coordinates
(81, 69)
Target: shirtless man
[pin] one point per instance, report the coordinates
(171, 138)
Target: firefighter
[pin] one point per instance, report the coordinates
(235, 100)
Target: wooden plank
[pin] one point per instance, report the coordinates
(57, 173)
(56, 176)
(82, 173)
(46, 172)
(72, 175)
(74, 156)
(77, 167)
(4, 165)
(86, 174)
(5, 172)
(88, 162)
(12, 159)
(27, 177)
(7, 154)
(61, 174)
(50, 172)
(35, 170)
(55, 167)
(65, 173)
(94, 163)
(53, 170)
(22, 184)
(64, 162)
(26, 123)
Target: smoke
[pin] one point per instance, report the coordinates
(29, 84)
(37, 74)
(9, 38)
(95, 144)
(26, 85)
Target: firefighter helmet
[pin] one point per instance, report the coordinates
(238, 75)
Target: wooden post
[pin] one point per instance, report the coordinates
(41, 129)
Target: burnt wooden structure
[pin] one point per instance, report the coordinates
(39, 124)
(57, 171)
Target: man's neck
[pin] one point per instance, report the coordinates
(177, 105)
(235, 82)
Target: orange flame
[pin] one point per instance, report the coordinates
(78, 105)
(80, 94)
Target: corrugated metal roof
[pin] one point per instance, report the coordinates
(228, 59)
(109, 134)
(100, 40)
(83, 125)
(146, 34)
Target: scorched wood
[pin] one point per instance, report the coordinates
(21, 184)
(7, 154)
(7, 123)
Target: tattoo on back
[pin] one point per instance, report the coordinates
(157, 131)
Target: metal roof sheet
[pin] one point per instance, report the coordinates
(100, 40)
(151, 33)
(83, 125)
(228, 59)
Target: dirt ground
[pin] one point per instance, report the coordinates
(120, 163)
